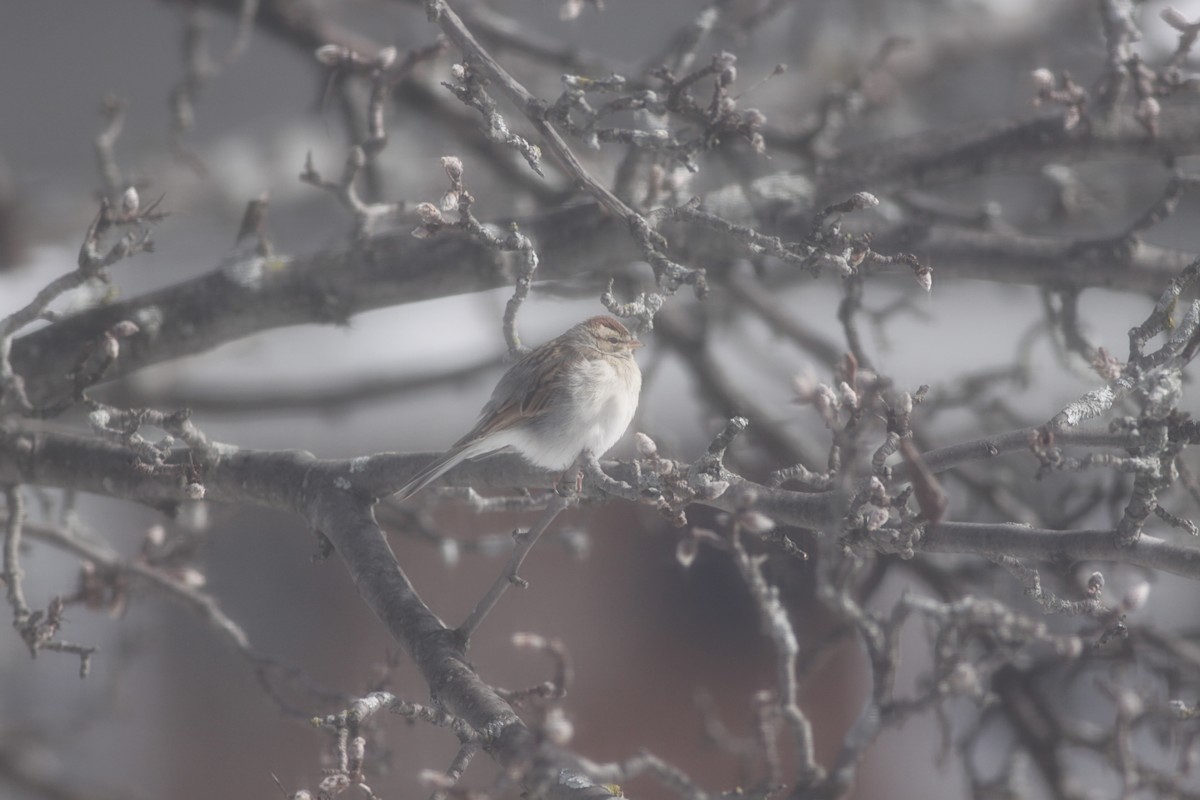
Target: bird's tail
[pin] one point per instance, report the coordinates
(431, 473)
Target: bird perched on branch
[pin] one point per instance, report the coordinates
(574, 393)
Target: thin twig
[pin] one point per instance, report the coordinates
(525, 543)
(12, 574)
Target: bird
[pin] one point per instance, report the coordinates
(576, 392)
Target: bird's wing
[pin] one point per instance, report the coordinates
(518, 397)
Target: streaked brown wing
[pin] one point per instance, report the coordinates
(519, 396)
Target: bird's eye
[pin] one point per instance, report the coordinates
(614, 339)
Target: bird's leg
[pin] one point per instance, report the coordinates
(563, 488)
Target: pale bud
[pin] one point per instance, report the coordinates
(458, 72)
(525, 639)
(191, 577)
(925, 278)
(123, 329)
(130, 201)
(1043, 79)
(646, 447)
(429, 213)
(156, 535)
(755, 522)
(877, 493)
(686, 551)
(1130, 704)
(450, 552)
(875, 517)
(1175, 19)
(331, 55)
(194, 491)
(453, 166)
(755, 118)
(827, 404)
(825, 393)
(558, 728)
(1136, 596)
(1095, 584)
(804, 384)
(849, 397)
(1106, 365)
(385, 57)
(1070, 647)
(863, 200)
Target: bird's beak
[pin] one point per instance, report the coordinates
(634, 344)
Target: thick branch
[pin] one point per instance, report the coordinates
(955, 153)
(229, 304)
(1020, 541)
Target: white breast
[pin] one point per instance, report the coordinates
(604, 398)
